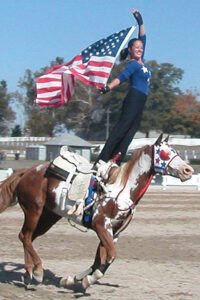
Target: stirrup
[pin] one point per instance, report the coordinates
(76, 210)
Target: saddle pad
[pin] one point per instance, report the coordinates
(79, 187)
(64, 164)
(73, 157)
(70, 160)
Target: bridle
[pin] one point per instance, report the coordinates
(163, 155)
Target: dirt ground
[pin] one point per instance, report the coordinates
(158, 254)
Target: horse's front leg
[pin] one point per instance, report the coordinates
(99, 263)
(100, 259)
(105, 255)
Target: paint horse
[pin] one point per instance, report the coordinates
(113, 209)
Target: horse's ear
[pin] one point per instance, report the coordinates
(166, 139)
(159, 139)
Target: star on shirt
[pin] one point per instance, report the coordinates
(144, 69)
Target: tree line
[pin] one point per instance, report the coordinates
(91, 115)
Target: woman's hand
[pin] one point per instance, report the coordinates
(108, 87)
(104, 89)
(137, 16)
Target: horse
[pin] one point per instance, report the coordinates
(38, 194)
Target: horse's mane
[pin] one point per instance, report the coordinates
(126, 168)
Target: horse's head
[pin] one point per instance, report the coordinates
(168, 162)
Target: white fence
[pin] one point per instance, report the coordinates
(24, 139)
(172, 181)
(137, 143)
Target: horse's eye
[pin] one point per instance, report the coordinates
(164, 155)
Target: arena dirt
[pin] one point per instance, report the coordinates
(158, 254)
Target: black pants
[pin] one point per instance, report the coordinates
(125, 129)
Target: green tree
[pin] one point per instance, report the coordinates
(16, 131)
(184, 117)
(6, 112)
(162, 95)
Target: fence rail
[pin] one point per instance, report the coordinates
(172, 181)
(25, 139)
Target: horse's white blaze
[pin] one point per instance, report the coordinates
(177, 163)
(39, 168)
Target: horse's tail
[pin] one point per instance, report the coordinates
(8, 196)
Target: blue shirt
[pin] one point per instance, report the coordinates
(138, 74)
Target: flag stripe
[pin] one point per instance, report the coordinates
(48, 89)
(92, 66)
(94, 80)
(49, 78)
(48, 84)
(50, 99)
(49, 94)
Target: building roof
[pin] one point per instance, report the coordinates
(68, 140)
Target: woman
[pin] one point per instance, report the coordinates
(139, 75)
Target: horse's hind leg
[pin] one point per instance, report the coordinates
(46, 221)
(29, 265)
(33, 263)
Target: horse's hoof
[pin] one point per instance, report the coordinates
(97, 274)
(91, 279)
(86, 282)
(27, 278)
(67, 281)
(38, 277)
(80, 276)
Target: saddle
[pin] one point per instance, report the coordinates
(77, 173)
(75, 170)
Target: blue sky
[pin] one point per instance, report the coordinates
(34, 32)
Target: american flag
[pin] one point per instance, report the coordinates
(92, 66)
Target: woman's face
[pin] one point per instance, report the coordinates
(136, 50)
